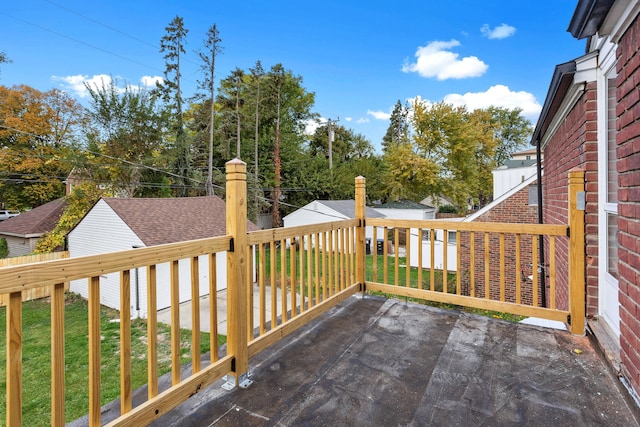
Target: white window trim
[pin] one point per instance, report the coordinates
(606, 71)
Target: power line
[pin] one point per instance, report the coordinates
(95, 21)
(59, 34)
(115, 30)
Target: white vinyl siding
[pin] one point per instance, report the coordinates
(103, 231)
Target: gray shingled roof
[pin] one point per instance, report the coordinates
(169, 220)
(403, 204)
(348, 208)
(35, 222)
(512, 164)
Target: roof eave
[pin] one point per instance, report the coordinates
(588, 16)
(560, 83)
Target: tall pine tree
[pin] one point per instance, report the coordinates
(172, 45)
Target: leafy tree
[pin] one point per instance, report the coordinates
(446, 155)
(38, 133)
(288, 107)
(511, 130)
(346, 144)
(353, 156)
(453, 151)
(208, 56)
(172, 45)
(127, 129)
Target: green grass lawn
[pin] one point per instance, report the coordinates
(390, 279)
(391, 261)
(36, 358)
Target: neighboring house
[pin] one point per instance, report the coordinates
(512, 173)
(117, 224)
(320, 211)
(518, 205)
(590, 120)
(525, 155)
(23, 231)
(436, 201)
(406, 209)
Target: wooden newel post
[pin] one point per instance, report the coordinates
(237, 298)
(360, 231)
(576, 251)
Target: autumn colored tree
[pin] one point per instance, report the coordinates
(38, 133)
(446, 155)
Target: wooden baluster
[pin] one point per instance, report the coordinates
(152, 333)
(57, 354)
(94, 351)
(195, 315)
(125, 341)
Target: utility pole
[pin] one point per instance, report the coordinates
(331, 136)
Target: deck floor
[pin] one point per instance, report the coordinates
(388, 363)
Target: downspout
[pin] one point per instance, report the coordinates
(137, 287)
(541, 266)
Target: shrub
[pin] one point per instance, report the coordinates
(4, 248)
(447, 209)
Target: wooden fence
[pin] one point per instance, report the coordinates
(34, 293)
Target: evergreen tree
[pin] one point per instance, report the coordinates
(172, 45)
(398, 130)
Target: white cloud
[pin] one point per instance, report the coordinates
(420, 100)
(499, 96)
(436, 60)
(379, 115)
(348, 119)
(311, 125)
(363, 120)
(76, 84)
(502, 31)
(150, 81)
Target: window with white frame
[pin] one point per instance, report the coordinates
(611, 206)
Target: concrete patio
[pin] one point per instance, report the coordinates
(386, 362)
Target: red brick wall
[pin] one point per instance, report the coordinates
(574, 144)
(515, 209)
(628, 151)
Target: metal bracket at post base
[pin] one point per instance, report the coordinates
(243, 381)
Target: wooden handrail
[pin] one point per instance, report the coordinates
(489, 227)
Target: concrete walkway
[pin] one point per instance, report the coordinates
(387, 363)
(164, 315)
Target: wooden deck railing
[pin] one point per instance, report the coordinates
(301, 272)
(491, 266)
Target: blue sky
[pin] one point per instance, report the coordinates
(358, 57)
